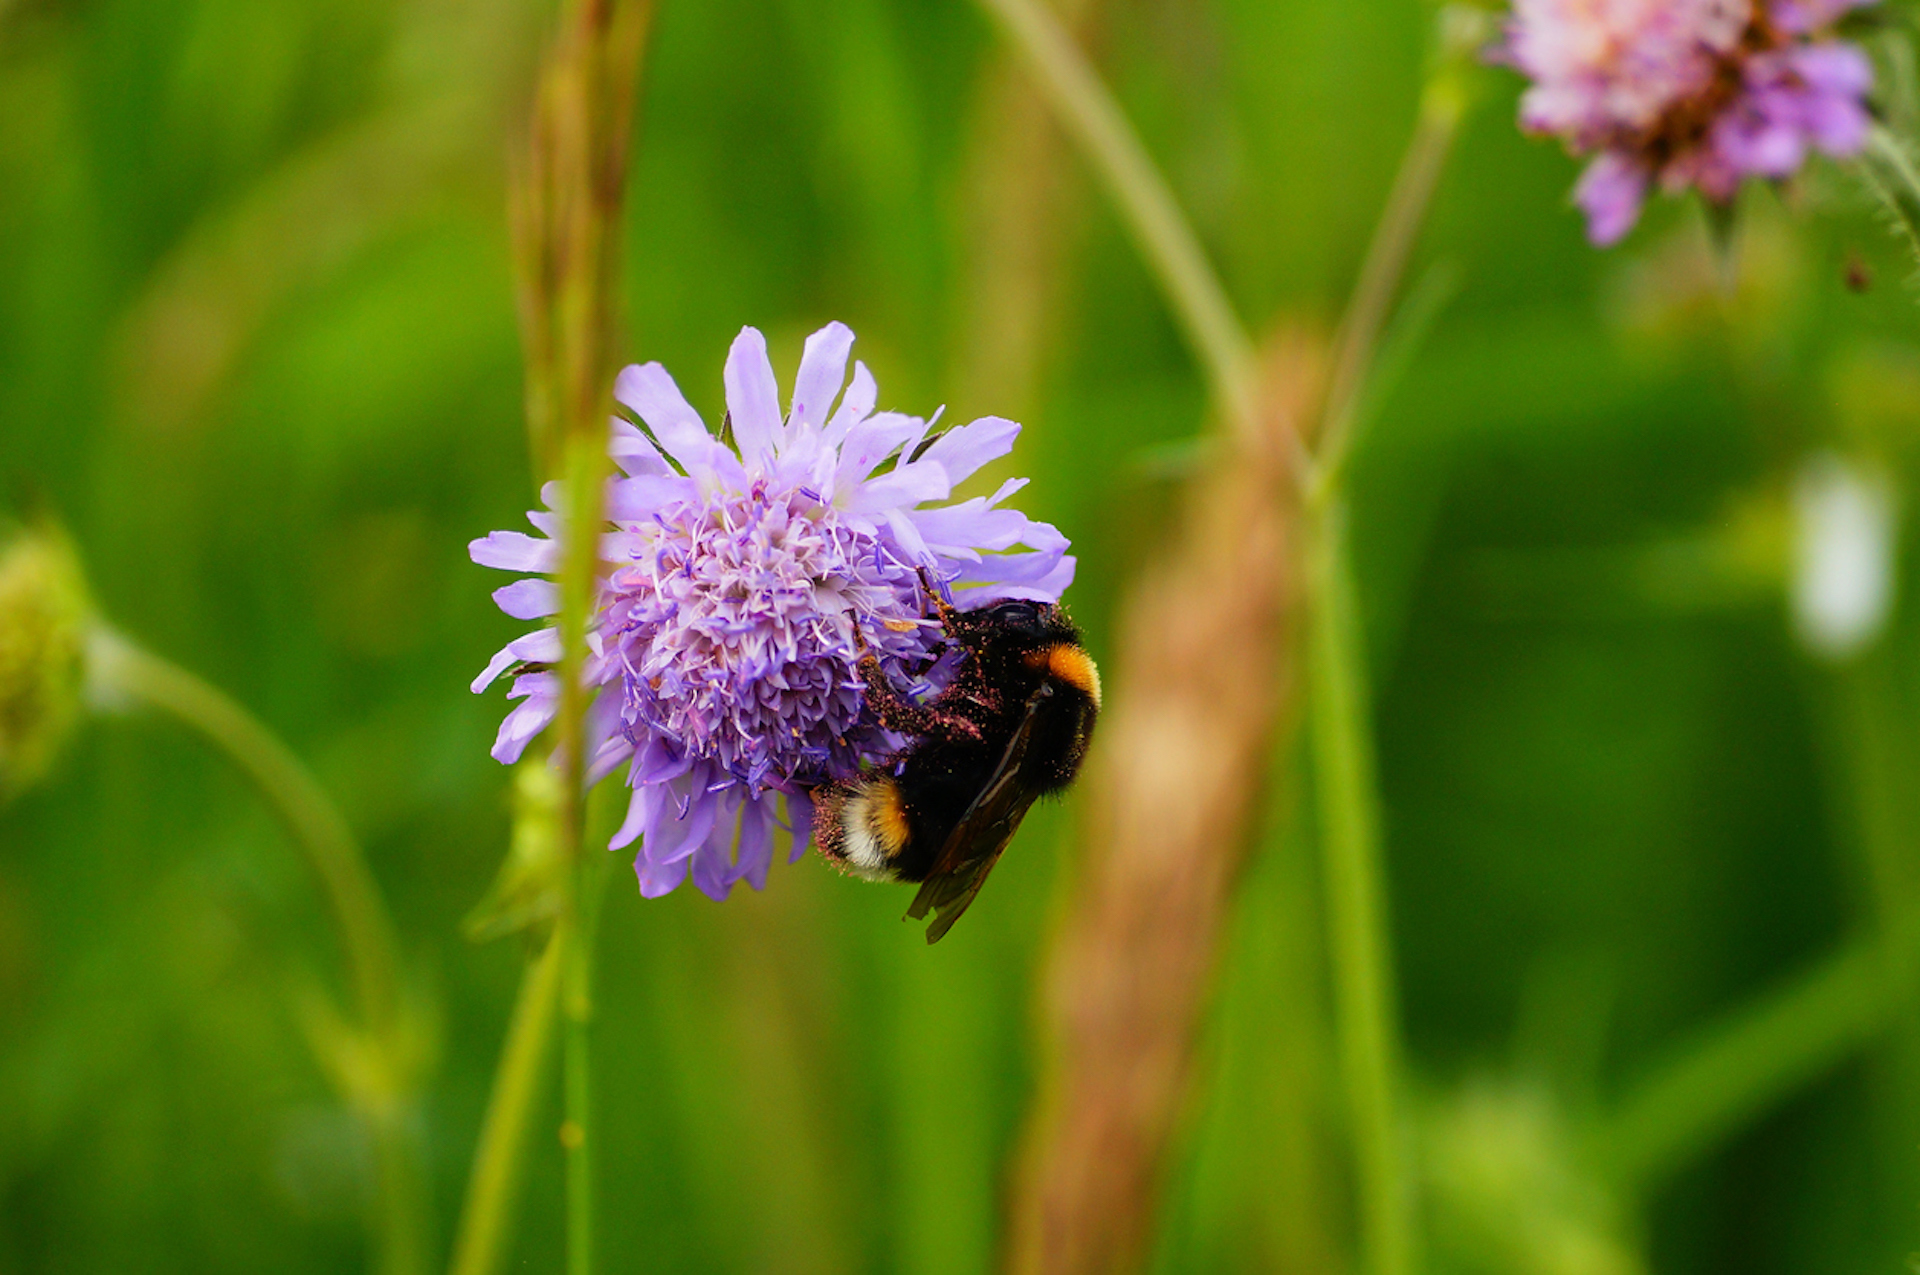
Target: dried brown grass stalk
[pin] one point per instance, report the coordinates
(1202, 682)
(566, 209)
(565, 204)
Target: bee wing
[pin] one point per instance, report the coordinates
(976, 842)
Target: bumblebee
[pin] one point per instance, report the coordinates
(1011, 727)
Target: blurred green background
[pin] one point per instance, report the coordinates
(258, 351)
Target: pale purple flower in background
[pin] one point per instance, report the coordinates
(722, 641)
(1686, 93)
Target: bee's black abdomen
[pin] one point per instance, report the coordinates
(938, 787)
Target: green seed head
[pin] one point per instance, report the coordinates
(43, 614)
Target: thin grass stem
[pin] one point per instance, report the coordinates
(1161, 232)
(360, 918)
(576, 1132)
(310, 817)
(1403, 338)
(1345, 790)
(578, 1099)
(486, 1220)
(1441, 108)
(566, 206)
(1340, 732)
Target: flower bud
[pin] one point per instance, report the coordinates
(43, 612)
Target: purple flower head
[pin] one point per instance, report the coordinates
(1679, 93)
(722, 643)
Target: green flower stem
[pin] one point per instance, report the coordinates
(587, 461)
(403, 1209)
(290, 789)
(568, 214)
(1340, 732)
(579, 1109)
(577, 1004)
(1738, 1069)
(360, 917)
(1441, 108)
(486, 1219)
(1164, 238)
(1340, 744)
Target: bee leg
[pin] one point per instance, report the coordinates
(895, 711)
(941, 607)
(898, 713)
(829, 833)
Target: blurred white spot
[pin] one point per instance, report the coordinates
(1843, 555)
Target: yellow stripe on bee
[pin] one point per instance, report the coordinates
(1076, 668)
(886, 816)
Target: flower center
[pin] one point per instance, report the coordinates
(731, 628)
(1684, 125)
